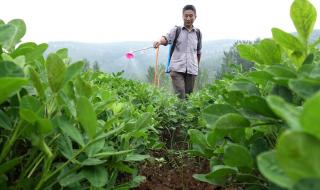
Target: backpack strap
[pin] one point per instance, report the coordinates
(199, 36)
(178, 30)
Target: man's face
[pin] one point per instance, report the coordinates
(188, 18)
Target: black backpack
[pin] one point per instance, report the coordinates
(178, 30)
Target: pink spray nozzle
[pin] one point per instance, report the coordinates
(129, 55)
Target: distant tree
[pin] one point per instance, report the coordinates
(232, 57)
(86, 64)
(150, 74)
(96, 66)
(202, 79)
(163, 79)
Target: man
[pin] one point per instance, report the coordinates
(186, 54)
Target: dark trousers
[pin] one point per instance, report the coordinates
(182, 83)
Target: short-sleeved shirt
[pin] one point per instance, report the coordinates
(184, 58)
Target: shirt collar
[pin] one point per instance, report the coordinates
(193, 29)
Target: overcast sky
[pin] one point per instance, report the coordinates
(146, 20)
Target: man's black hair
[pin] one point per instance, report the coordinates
(189, 7)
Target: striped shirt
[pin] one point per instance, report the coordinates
(184, 58)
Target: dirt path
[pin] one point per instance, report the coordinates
(173, 172)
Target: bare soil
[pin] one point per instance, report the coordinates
(175, 173)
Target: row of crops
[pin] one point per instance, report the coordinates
(65, 127)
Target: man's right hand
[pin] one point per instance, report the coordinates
(156, 44)
(162, 41)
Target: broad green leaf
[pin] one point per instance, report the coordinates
(65, 146)
(20, 60)
(309, 59)
(10, 69)
(219, 175)
(281, 71)
(10, 164)
(111, 153)
(30, 109)
(212, 112)
(5, 121)
(70, 130)
(307, 184)
(9, 86)
(315, 73)
(71, 179)
(198, 140)
(237, 156)
(1, 22)
(260, 77)
(73, 70)
(96, 175)
(6, 57)
(298, 155)
(62, 53)
(36, 53)
(259, 144)
(248, 178)
(83, 87)
(303, 15)
(96, 147)
(21, 31)
(202, 178)
(30, 45)
(269, 51)
(270, 168)
(87, 116)
(7, 34)
(305, 70)
(19, 23)
(231, 121)
(136, 157)
(35, 79)
(56, 72)
(214, 136)
(44, 125)
(250, 53)
(92, 162)
(23, 49)
(143, 121)
(286, 111)
(237, 135)
(283, 92)
(287, 40)
(258, 105)
(244, 86)
(304, 87)
(233, 97)
(310, 116)
(117, 107)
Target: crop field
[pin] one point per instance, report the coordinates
(65, 126)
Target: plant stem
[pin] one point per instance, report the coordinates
(43, 180)
(11, 141)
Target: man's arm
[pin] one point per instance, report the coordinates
(162, 41)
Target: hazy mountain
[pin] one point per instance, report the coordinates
(111, 56)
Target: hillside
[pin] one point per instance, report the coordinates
(110, 56)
